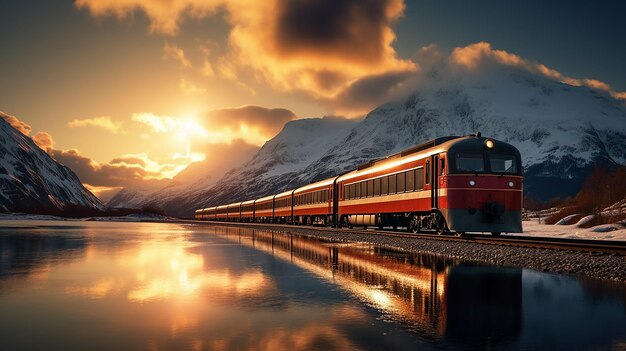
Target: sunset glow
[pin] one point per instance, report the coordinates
(134, 91)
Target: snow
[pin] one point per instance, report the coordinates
(614, 232)
(567, 219)
(31, 180)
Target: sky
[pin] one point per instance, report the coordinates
(126, 91)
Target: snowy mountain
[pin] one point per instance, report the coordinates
(562, 131)
(32, 182)
(280, 163)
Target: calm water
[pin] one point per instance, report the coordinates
(144, 286)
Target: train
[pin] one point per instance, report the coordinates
(452, 184)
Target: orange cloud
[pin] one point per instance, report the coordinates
(43, 140)
(164, 15)
(177, 54)
(118, 174)
(481, 55)
(104, 122)
(317, 47)
(190, 88)
(22, 127)
(255, 124)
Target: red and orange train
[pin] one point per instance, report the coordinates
(449, 184)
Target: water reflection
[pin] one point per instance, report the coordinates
(140, 286)
(456, 304)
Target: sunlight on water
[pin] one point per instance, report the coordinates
(142, 286)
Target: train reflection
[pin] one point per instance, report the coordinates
(438, 297)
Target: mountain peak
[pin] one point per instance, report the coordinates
(31, 181)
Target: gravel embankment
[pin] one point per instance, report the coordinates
(595, 265)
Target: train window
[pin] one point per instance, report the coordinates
(357, 191)
(427, 172)
(470, 163)
(400, 186)
(346, 193)
(410, 180)
(377, 187)
(392, 184)
(503, 163)
(363, 189)
(370, 188)
(442, 167)
(384, 186)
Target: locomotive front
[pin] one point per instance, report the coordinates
(482, 190)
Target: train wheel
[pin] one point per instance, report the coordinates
(343, 222)
(496, 233)
(414, 224)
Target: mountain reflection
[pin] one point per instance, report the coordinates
(435, 296)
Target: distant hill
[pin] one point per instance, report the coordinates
(32, 182)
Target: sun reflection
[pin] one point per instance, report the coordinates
(159, 272)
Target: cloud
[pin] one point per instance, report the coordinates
(254, 124)
(164, 16)
(104, 122)
(316, 47)
(43, 140)
(190, 88)
(22, 127)
(113, 174)
(177, 54)
(365, 94)
(159, 124)
(482, 56)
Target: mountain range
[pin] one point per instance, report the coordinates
(562, 131)
(32, 182)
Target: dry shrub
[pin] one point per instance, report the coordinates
(600, 190)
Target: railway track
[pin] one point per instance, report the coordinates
(598, 246)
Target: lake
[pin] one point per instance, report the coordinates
(73, 285)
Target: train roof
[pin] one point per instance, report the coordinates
(266, 198)
(283, 194)
(248, 202)
(470, 143)
(318, 184)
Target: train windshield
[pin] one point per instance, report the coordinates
(503, 163)
(470, 163)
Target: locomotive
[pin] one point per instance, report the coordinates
(448, 184)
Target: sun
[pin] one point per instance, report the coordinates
(188, 128)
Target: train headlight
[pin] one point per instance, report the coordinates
(511, 184)
(472, 183)
(489, 144)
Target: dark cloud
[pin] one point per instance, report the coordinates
(354, 29)
(365, 94)
(267, 121)
(102, 174)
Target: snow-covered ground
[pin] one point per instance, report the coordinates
(616, 232)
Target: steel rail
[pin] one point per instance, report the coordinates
(590, 245)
